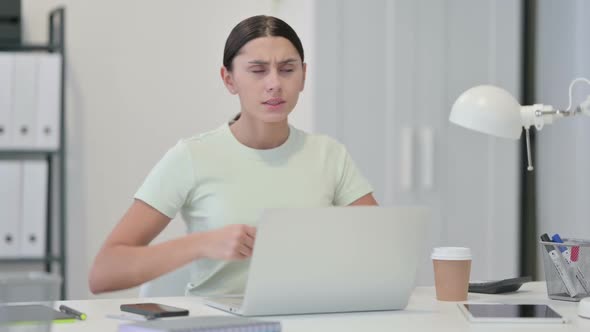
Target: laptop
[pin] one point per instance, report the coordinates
(333, 259)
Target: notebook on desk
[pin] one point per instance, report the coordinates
(203, 324)
(337, 259)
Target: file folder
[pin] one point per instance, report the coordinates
(48, 101)
(10, 203)
(34, 208)
(24, 100)
(6, 68)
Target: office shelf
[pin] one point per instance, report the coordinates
(45, 259)
(56, 198)
(18, 154)
(28, 48)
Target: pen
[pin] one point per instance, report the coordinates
(73, 312)
(561, 269)
(571, 262)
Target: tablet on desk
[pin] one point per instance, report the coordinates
(510, 313)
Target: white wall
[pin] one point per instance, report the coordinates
(389, 72)
(563, 160)
(140, 76)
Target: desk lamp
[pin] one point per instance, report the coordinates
(494, 111)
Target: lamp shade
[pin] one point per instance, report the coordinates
(488, 109)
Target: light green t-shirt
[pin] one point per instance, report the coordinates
(213, 180)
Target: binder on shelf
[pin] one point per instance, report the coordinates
(34, 208)
(10, 203)
(10, 21)
(24, 100)
(31, 81)
(6, 69)
(48, 101)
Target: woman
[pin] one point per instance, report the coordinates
(221, 180)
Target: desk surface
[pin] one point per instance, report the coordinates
(424, 313)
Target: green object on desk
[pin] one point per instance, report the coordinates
(73, 312)
(32, 314)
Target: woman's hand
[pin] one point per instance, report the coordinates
(232, 242)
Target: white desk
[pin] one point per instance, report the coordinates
(423, 313)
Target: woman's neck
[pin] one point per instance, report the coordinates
(259, 135)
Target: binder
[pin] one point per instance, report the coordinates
(6, 78)
(10, 202)
(24, 100)
(33, 208)
(48, 101)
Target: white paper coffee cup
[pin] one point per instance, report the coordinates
(452, 267)
(451, 254)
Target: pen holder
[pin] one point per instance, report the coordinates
(567, 269)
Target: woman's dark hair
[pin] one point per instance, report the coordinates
(255, 27)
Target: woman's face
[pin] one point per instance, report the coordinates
(267, 75)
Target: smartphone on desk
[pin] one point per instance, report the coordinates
(153, 310)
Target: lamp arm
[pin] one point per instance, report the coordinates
(534, 115)
(579, 79)
(584, 107)
(558, 113)
(528, 150)
(539, 115)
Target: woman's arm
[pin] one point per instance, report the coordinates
(368, 199)
(126, 260)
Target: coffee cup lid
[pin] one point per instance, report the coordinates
(451, 253)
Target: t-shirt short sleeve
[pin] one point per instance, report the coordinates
(169, 183)
(352, 185)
